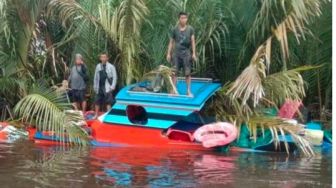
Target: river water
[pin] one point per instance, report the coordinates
(25, 164)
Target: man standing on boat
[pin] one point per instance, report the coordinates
(182, 39)
(78, 82)
(104, 83)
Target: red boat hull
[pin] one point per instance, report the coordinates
(128, 136)
(138, 136)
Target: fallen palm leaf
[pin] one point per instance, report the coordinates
(248, 85)
(49, 111)
(279, 126)
(162, 73)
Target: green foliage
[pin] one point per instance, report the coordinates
(278, 127)
(259, 48)
(136, 33)
(51, 111)
(255, 88)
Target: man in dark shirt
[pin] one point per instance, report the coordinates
(182, 38)
(102, 80)
(104, 83)
(77, 80)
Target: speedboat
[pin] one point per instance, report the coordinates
(141, 117)
(145, 117)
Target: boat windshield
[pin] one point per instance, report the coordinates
(196, 117)
(191, 122)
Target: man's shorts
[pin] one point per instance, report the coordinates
(78, 95)
(182, 60)
(104, 98)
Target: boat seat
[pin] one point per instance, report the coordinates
(183, 131)
(180, 135)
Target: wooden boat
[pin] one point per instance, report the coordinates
(150, 119)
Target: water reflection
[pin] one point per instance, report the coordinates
(29, 165)
(24, 165)
(149, 167)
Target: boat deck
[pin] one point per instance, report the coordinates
(201, 88)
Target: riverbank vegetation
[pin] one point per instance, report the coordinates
(263, 51)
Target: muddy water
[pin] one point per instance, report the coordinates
(25, 164)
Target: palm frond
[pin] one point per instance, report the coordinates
(68, 11)
(227, 108)
(280, 17)
(286, 85)
(165, 73)
(49, 111)
(295, 12)
(4, 22)
(123, 26)
(279, 126)
(248, 85)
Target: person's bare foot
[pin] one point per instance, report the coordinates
(190, 94)
(172, 92)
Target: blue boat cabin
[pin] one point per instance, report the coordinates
(159, 110)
